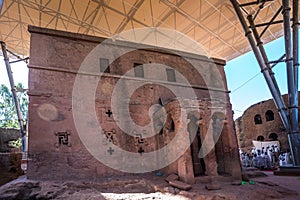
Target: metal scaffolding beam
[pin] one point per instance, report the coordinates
(288, 116)
(295, 27)
(292, 90)
(14, 92)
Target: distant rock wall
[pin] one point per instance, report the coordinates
(7, 135)
(261, 121)
(11, 162)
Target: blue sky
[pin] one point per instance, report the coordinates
(244, 79)
(246, 82)
(20, 73)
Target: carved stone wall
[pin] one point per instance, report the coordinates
(7, 135)
(261, 120)
(58, 150)
(211, 139)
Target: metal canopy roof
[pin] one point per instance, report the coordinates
(212, 23)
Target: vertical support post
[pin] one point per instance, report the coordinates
(264, 54)
(13, 89)
(293, 135)
(276, 96)
(295, 27)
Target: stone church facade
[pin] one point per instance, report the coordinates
(71, 137)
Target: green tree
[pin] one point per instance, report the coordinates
(8, 113)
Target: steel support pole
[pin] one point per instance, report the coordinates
(264, 55)
(296, 47)
(276, 96)
(293, 135)
(13, 89)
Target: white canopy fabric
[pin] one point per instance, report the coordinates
(211, 23)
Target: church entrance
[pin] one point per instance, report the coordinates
(194, 131)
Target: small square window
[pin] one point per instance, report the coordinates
(171, 75)
(138, 70)
(104, 65)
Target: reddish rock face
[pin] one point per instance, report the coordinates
(152, 110)
(261, 121)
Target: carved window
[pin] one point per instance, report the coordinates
(138, 70)
(260, 138)
(171, 75)
(273, 137)
(257, 119)
(269, 115)
(104, 65)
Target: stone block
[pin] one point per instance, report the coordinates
(169, 190)
(213, 186)
(185, 168)
(180, 185)
(172, 177)
(245, 177)
(236, 183)
(187, 194)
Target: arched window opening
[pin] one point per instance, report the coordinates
(260, 138)
(273, 137)
(257, 119)
(269, 115)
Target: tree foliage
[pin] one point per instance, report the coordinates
(8, 113)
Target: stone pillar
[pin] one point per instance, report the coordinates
(185, 168)
(185, 163)
(207, 150)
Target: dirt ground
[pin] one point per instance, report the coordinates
(152, 187)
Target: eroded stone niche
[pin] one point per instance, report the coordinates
(56, 148)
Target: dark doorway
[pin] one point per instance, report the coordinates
(194, 131)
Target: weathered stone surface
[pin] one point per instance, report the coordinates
(247, 130)
(254, 174)
(11, 162)
(7, 135)
(180, 185)
(56, 148)
(267, 183)
(236, 183)
(216, 197)
(177, 190)
(185, 168)
(172, 177)
(188, 194)
(245, 176)
(170, 190)
(222, 197)
(213, 186)
(114, 189)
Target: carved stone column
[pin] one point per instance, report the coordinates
(207, 150)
